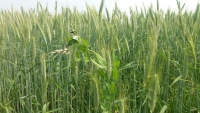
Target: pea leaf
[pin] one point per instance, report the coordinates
(72, 42)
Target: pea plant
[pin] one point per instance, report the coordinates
(108, 87)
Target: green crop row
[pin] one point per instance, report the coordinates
(94, 62)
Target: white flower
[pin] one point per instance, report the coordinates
(75, 37)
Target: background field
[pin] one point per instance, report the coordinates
(145, 62)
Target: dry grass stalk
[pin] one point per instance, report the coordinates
(63, 51)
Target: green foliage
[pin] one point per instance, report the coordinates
(144, 61)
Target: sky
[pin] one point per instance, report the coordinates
(124, 5)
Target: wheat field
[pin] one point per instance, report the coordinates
(146, 61)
